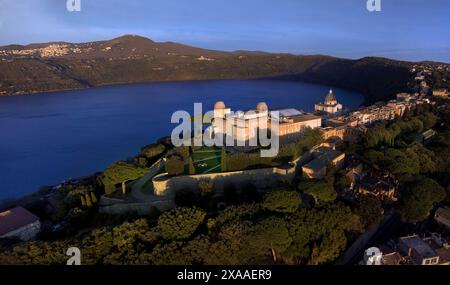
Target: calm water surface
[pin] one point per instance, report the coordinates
(47, 138)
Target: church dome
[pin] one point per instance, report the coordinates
(219, 105)
(262, 106)
(330, 98)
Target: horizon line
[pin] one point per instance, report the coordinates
(238, 50)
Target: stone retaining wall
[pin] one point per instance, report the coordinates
(164, 185)
(140, 208)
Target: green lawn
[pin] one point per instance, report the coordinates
(207, 159)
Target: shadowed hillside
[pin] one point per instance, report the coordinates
(131, 59)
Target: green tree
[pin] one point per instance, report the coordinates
(342, 180)
(332, 245)
(152, 151)
(180, 223)
(223, 160)
(175, 165)
(93, 198)
(119, 172)
(191, 166)
(322, 191)
(270, 235)
(369, 210)
(281, 201)
(78, 217)
(83, 201)
(88, 200)
(310, 228)
(419, 197)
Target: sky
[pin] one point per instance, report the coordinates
(403, 29)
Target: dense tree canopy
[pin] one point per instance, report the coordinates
(282, 201)
(120, 172)
(404, 163)
(269, 237)
(175, 165)
(153, 150)
(180, 223)
(369, 210)
(419, 197)
(322, 190)
(239, 235)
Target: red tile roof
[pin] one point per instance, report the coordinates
(15, 218)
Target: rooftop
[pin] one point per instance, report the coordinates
(429, 133)
(443, 215)
(419, 245)
(304, 118)
(323, 159)
(393, 258)
(289, 112)
(14, 219)
(330, 98)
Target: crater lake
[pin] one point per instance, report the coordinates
(50, 137)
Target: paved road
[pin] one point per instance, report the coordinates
(146, 195)
(377, 238)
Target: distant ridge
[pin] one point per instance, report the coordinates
(132, 59)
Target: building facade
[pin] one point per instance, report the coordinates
(320, 159)
(329, 106)
(244, 126)
(443, 93)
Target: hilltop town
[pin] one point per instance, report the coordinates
(68, 66)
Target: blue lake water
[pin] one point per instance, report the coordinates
(47, 138)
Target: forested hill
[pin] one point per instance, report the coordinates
(376, 78)
(131, 59)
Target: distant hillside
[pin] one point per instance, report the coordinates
(376, 78)
(131, 59)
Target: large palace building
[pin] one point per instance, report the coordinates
(244, 126)
(330, 106)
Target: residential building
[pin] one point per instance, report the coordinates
(383, 188)
(404, 97)
(344, 133)
(443, 93)
(354, 171)
(293, 123)
(392, 258)
(20, 223)
(321, 158)
(374, 113)
(398, 108)
(442, 216)
(425, 251)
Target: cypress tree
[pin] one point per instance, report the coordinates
(124, 188)
(83, 201)
(223, 162)
(191, 166)
(88, 201)
(93, 198)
